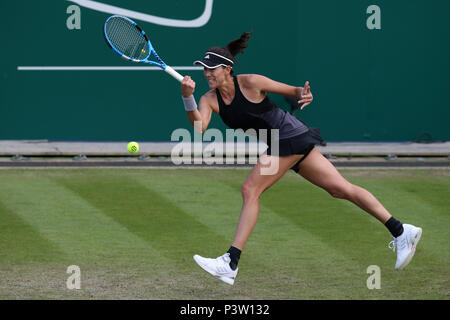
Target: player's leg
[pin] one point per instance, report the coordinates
(255, 184)
(260, 179)
(321, 172)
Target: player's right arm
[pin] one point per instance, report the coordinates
(203, 112)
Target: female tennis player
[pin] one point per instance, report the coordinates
(242, 102)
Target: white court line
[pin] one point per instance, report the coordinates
(196, 23)
(98, 68)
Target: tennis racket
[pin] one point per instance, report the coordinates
(129, 41)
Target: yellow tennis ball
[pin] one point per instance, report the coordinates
(133, 147)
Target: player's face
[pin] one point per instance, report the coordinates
(216, 76)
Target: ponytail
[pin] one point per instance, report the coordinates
(233, 48)
(237, 46)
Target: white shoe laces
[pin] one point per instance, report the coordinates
(222, 263)
(391, 245)
(396, 243)
(225, 258)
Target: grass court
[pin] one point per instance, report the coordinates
(133, 233)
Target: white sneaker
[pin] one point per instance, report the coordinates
(219, 267)
(406, 245)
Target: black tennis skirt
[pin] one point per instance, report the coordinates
(301, 144)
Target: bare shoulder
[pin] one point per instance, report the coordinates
(264, 84)
(254, 82)
(209, 96)
(253, 86)
(250, 80)
(210, 99)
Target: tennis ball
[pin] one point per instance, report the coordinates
(133, 147)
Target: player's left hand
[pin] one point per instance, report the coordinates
(306, 96)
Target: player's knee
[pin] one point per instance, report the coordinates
(340, 191)
(249, 191)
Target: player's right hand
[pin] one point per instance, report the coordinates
(187, 87)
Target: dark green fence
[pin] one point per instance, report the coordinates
(369, 84)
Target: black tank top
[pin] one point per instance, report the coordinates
(243, 114)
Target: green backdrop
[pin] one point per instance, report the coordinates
(388, 84)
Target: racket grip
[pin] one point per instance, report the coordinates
(174, 74)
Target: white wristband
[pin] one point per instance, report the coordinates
(189, 103)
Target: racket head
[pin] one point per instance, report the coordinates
(129, 41)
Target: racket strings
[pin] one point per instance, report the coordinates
(127, 39)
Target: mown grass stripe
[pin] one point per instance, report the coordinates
(22, 243)
(155, 219)
(203, 199)
(81, 231)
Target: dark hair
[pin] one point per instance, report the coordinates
(234, 47)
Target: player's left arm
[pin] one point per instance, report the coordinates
(264, 84)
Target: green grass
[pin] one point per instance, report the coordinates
(133, 233)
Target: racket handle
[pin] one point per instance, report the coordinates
(174, 74)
